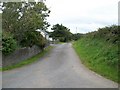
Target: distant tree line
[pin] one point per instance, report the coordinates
(63, 33)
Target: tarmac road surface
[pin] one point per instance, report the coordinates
(60, 68)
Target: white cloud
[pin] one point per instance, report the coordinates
(86, 15)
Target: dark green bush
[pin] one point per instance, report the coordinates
(109, 34)
(33, 38)
(0, 35)
(8, 44)
(41, 41)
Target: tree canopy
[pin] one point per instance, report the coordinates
(21, 19)
(61, 33)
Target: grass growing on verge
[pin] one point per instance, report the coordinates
(99, 56)
(27, 61)
(0, 69)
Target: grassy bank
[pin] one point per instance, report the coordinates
(28, 61)
(98, 55)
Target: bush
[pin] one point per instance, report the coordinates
(33, 38)
(109, 34)
(0, 35)
(9, 44)
(41, 42)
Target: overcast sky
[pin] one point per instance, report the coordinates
(83, 16)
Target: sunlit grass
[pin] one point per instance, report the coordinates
(99, 56)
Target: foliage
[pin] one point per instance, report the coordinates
(77, 36)
(33, 38)
(22, 19)
(61, 33)
(0, 35)
(8, 44)
(98, 53)
(0, 27)
(109, 34)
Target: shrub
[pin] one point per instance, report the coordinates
(33, 38)
(8, 44)
(0, 35)
(42, 42)
(109, 34)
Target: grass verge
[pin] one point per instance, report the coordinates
(99, 56)
(27, 61)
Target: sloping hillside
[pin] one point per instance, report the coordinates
(99, 51)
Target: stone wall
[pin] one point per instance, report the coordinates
(20, 55)
(0, 58)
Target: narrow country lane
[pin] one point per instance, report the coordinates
(61, 68)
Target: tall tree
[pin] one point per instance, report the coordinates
(61, 33)
(23, 18)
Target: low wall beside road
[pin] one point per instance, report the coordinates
(20, 55)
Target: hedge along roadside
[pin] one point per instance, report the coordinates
(9, 44)
(99, 51)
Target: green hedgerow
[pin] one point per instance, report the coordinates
(9, 44)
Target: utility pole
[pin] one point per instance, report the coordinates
(76, 30)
